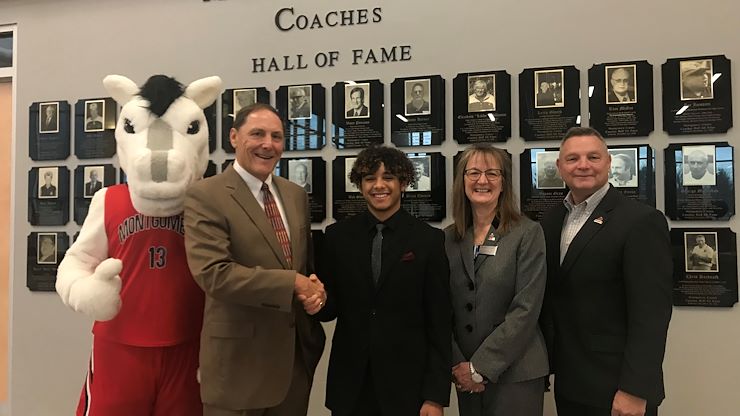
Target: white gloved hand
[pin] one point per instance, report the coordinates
(99, 295)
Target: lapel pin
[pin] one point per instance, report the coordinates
(491, 237)
(599, 220)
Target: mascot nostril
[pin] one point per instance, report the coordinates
(127, 269)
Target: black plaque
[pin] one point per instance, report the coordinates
(697, 95)
(633, 172)
(304, 111)
(549, 102)
(704, 267)
(426, 199)
(232, 100)
(88, 180)
(48, 195)
(48, 130)
(210, 115)
(706, 189)
(309, 173)
(357, 114)
(45, 252)
(211, 169)
(95, 128)
(540, 183)
(620, 99)
(481, 104)
(418, 111)
(225, 165)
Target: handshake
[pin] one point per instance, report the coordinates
(310, 291)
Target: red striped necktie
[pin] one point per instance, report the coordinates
(273, 214)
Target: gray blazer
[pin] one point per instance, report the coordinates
(496, 301)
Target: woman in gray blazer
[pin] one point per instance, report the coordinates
(497, 281)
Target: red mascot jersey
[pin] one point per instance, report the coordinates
(161, 303)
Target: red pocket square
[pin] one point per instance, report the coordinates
(408, 256)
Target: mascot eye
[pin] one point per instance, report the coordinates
(194, 127)
(128, 127)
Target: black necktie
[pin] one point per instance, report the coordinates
(376, 257)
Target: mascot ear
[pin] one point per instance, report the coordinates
(204, 91)
(120, 88)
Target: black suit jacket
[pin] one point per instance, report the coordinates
(363, 112)
(90, 189)
(48, 124)
(51, 190)
(613, 99)
(608, 305)
(400, 329)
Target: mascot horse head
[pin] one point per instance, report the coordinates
(162, 138)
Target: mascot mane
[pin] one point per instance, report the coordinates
(161, 91)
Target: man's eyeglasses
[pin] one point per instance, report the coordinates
(491, 174)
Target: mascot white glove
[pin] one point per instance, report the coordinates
(98, 296)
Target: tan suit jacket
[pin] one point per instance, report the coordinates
(251, 319)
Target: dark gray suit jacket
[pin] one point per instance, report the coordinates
(498, 332)
(608, 305)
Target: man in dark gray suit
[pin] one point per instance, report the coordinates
(609, 289)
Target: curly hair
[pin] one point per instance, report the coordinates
(395, 161)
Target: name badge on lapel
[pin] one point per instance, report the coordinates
(488, 250)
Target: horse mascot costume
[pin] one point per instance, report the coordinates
(128, 270)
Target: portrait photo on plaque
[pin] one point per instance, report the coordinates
(46, 248)
(423, 171)
(701, 251)
(481, 93)
(548, 88)
(621, 84)
(49, 117)
(299, 172)
(699, 167)
(299, 102)
(357, 100)
(699, 181)
(94, 115)
(623, 172)
(547, 176)
(348, 185)
(244, 98)
(49, 183)
(696, 79)
(418, 97)
(94, 176)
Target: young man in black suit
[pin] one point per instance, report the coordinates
(387, 283)
(608, 299)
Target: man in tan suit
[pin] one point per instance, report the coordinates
(249, 248)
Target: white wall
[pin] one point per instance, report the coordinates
(66, 47)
